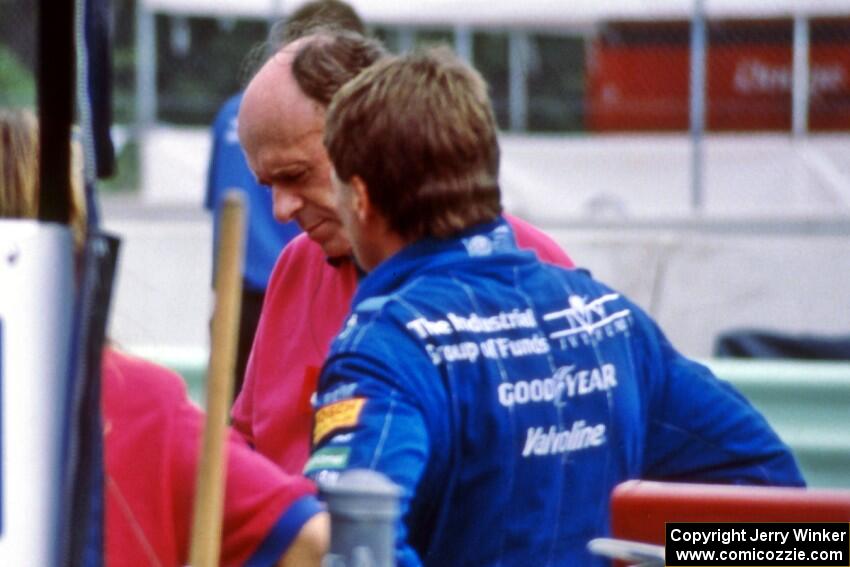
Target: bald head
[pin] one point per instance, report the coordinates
(274, 101)
(315, 66)
(281, 125)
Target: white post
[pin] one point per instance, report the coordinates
(800, 82)
(463, 43)
(146, 94)
(145, 68)
(406, 39)
(518, 49)
(697, 103)
(275, 11)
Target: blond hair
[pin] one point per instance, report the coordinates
(19, 171)
(18, 164)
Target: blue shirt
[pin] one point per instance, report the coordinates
(508, 397)
(265, 237)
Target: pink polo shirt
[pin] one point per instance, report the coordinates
(152, 439)
(306, 303)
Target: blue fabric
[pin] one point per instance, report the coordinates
(508, 397)
(265, 237)
(284, 531)
(98, 67)
(81, 511)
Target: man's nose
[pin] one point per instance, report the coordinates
(286, 204)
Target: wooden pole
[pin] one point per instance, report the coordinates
(209, 493)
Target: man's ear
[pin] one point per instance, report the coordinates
(361, 203)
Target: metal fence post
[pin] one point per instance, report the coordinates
(800, 74)
(697, 103)
(518, 55)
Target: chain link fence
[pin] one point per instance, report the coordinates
(615, 76)
(596, 120)
(580, 78)
(607, 76)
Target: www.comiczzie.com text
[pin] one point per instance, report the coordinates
(757, 544)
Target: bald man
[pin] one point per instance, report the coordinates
(281, 131)
(265, 237)
(281, 125)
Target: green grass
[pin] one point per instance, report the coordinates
(127, 175)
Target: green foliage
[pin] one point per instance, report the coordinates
(17, 86)
(127, 170)
(123, 83)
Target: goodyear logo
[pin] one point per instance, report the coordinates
(336, 416)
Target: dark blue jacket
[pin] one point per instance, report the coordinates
(508, 397)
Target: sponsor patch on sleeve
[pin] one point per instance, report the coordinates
(329, 458)
(337, 416)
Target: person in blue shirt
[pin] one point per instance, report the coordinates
(505, 396)
(265, 236)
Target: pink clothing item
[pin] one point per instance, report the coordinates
(152, 439)
(529, 237)
(306, 302)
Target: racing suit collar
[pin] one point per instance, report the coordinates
(480, 240)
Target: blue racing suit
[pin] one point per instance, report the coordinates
(508, 397)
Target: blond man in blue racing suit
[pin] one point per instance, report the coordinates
(505, 396)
